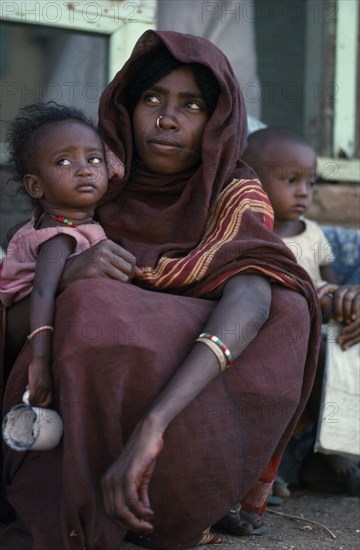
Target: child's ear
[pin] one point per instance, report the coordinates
(33, 186)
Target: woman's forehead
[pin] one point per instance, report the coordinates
(181, 79)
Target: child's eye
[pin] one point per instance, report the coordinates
(94, 160)
(63, 162)
(312, 179)
(291, 180)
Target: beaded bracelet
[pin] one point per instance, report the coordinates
(40, 329)
(216, 350)
(221, 345)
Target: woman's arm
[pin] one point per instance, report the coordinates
(52, 256)
(238, 317)
(244, 306)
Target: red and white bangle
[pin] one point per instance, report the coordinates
(221, 345)
(225, 359)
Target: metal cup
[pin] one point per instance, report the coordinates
(27, 428)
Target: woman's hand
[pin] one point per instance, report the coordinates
(40, 383)
(346, 310)
(104, 259)
(125, 484)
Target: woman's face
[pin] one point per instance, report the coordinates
(174, 146)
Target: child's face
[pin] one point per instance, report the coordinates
(288, 171)
(68, 167)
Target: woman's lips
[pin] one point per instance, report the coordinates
(164, 145)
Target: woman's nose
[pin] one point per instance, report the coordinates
(167, 121)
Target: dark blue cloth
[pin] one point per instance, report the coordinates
(345, 243)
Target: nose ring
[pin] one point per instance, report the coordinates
(158, 122)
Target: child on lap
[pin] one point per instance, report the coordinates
(59, 157)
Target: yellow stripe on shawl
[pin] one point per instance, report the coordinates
(223, 227)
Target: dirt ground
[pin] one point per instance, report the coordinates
(339, 514)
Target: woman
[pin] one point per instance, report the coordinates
(151, 427)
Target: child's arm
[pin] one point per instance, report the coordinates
(328, 274)
(326, 292)
(52, 256)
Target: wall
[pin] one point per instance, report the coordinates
(336, 204)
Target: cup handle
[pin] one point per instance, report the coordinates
(25, 397)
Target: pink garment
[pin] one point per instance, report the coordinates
(17, 269)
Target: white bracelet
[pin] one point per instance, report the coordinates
(40, 329)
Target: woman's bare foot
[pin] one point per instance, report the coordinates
(240, 522)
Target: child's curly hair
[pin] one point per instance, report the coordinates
(28, 120)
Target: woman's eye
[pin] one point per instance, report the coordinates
(151, 98)
(63, 162)
(194, 105)
(94, 160)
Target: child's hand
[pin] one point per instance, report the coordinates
(348, 298)
(345, 309)
(349, 335)
(345, 301)
(347, 304)
(40, 383)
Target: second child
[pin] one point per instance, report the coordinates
(286, 165)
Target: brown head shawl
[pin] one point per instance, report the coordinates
(191, 232)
